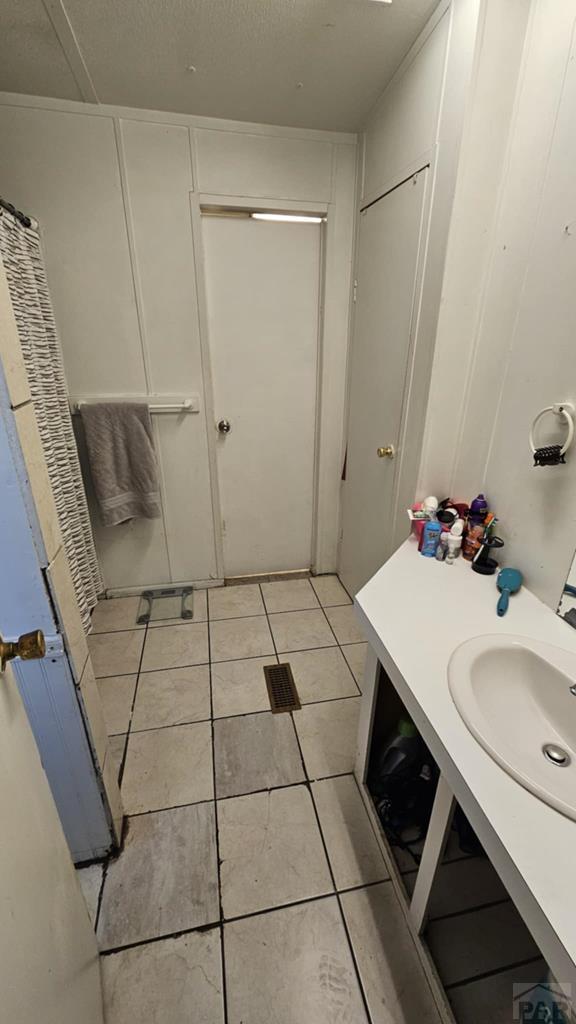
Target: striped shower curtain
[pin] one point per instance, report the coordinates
(21, 255)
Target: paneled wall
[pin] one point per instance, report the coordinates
(403, 125)
(117, 195)
(418, 122)
(507, 348)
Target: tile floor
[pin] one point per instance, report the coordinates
(250, 886)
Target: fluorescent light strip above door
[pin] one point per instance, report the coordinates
(272, 215)
(291, 217)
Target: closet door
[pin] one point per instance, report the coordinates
(390, 244)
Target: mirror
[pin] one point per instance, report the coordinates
(567, 604)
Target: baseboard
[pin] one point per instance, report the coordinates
(136, 591)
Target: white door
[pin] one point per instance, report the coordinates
(49, 968)
(262, 283)
(388, 272)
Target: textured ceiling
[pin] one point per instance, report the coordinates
(308, 63)
(31, 58)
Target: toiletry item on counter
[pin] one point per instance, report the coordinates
(446, 517)
(420, 514)
(454, 541)
(482, 562)
(472, 540)
(462, 509)
(442, 549)
(430, 538)
(475, 527)
(430, 505)
(508, 582)
(479, 508)
(449, 511)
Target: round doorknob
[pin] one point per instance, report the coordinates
(224, 426)
(27, 647)
(387, 452)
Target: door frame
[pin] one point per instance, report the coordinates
(420, 352)
(323, 442)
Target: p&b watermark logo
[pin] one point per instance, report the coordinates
(542, 1002)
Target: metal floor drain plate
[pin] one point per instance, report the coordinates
(282, 692)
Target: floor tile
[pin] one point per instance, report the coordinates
(172, 981)
(355, 655)
(480, 941)
(288, 596)
(200, 613)
(271, 851)
(345, 624)
(165, 880)
(300, 631)
(172, 697)
(117, 694)
(491, 999)
(116, 746)
(292, 966)
(329, 591)
(396, 988)
(321, 674)
(239, 687)
(352, 846)
(116, 654)
(233, 639)
(255, 752)
(462, 885)
(90, 879)
(327, 734)
(234, 602)
(168, 768)
(175, 647)
(116, 613)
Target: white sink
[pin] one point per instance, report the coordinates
(514, 695)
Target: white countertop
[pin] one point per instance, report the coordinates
(417, 611)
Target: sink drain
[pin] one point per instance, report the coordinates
(556, 755)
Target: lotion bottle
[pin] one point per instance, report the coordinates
(454, 541)
(430, 538)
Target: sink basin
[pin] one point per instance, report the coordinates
(514, 694)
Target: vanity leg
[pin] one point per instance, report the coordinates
(440, 824)
(367, 708)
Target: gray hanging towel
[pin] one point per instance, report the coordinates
(123, 465)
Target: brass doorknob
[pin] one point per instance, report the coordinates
(27, 647)
(386, 453)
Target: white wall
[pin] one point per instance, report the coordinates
(117, 195)
(402, 128)
(511, 349)
(417, 122)
(484, 152)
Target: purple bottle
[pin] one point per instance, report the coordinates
(478, 509)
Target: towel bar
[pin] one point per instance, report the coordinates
(156, 404)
